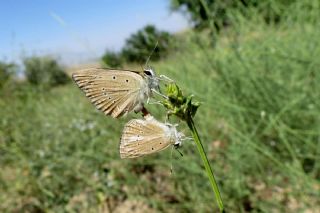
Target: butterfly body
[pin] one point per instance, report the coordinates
(116, 92)
(142, 137)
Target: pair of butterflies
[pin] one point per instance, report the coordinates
(118, 92)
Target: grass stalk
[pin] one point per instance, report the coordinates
(206, 163)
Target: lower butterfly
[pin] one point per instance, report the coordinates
(117, 92)
(142, 137)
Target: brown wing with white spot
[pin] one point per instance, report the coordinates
(114, 92)
(143, 137)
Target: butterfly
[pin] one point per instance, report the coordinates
(117, 92)
(146, 136)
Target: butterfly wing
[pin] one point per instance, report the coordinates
(143, 137)
(114, 92)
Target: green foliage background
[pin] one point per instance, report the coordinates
(146, 42)
(44, 71)
(259, 122)
(7, 71)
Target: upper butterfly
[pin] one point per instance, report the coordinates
(117, 92)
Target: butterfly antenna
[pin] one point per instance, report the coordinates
(148, 59)
(179, 152)
(141, 67)
(171, 154)
(75, 36)
(171, 162)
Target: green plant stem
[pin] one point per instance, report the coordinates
(206, 163)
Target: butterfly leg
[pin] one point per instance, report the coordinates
(158, 93)
(145, 112)
(167, 118)
(165, 78)
(156, 102)
(139, 108)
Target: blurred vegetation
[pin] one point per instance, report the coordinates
(259, 121)
(203, 13)
(138, 46)
(44, 71)
(111, 59)
(148, 41)
(7, 71)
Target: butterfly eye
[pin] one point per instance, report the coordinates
(148, 72)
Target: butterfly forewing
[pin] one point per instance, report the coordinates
(143, 137)
(114, 92)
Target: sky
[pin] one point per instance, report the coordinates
(77, 31)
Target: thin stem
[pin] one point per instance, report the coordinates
(206, 163)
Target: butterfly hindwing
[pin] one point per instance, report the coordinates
(142, 137)
(114, 92)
